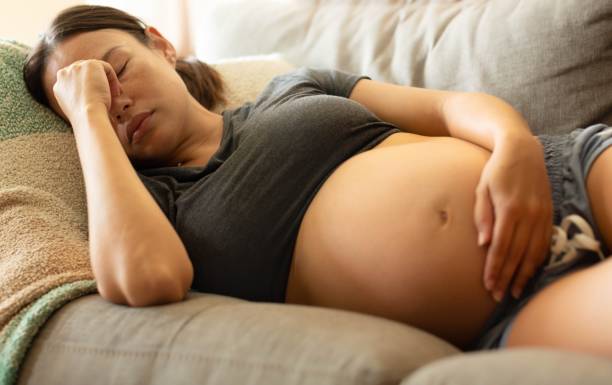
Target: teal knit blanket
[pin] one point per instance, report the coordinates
(18, 335)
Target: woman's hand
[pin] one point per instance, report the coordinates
(83, 84)
(514, 206)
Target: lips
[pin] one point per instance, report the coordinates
(135, 124)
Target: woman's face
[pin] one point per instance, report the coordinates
(149, 83)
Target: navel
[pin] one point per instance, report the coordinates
(443, 216)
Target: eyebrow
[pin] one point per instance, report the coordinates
(110, 52)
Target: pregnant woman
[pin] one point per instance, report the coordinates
(434, 208)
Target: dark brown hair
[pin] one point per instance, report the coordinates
(202, 81)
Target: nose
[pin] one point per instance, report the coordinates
(119, 106)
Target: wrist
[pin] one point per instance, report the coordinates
(516, 140)
(520, 146)
(512, 129)
(89, 113)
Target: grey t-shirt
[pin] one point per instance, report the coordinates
(239, 216)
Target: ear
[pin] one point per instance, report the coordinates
(159, 42)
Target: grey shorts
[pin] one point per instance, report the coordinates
(568, 160)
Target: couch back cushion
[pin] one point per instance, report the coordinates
(551, 59)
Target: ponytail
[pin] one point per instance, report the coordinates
(202, 81)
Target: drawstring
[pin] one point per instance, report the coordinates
(564, 250)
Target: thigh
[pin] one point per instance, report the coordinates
(599, 187)
(573, 313)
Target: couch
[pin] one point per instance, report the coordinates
(551, 58)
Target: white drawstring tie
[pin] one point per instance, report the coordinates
(564, 250)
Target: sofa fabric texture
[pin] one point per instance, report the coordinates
(515, 367)
(213, 339)
(550, 59)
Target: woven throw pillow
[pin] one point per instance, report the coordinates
(43, 210)
(550, 59)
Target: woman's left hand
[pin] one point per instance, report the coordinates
(513, 213)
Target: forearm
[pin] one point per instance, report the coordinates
(484, 120)
(135, 252)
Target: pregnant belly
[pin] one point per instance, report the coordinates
(391, 233)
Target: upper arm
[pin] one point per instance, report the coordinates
(412, 109)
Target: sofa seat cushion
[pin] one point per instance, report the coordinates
(214, 339)
(524, 366)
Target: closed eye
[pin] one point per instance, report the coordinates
(122, 69)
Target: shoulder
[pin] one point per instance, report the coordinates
(305, 81)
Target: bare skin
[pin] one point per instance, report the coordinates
(384, 238)
(185, 131)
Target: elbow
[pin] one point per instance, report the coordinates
(162, 289)
(155, 297)
(110, 293)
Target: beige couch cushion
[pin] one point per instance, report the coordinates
(551, 59)
(524, 366)
(213, 339)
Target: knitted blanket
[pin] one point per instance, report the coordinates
(43, 221)
(44, 259)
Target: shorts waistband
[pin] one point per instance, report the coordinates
(554, 147)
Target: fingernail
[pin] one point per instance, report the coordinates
(480, 239)
(516, 293)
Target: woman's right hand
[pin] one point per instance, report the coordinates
(85, 84)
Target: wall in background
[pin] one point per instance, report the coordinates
(23, 20)
(168, 16)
